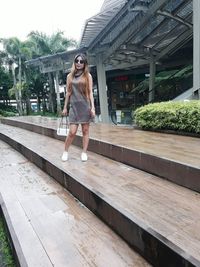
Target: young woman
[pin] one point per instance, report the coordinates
(80, 97)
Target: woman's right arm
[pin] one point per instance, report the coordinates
(68, 93)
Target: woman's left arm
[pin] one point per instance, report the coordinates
(91, 96)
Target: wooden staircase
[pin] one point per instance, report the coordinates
(131, 182)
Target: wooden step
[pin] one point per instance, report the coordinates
(49, 227)
(175, 158)
(156, 217)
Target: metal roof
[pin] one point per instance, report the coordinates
(59, 61)
(137, 30)
(94, 25)
(109, 4)
(127, 33)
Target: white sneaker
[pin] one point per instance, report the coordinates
(65, 156)
(84, 156)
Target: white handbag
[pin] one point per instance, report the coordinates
(63, 128)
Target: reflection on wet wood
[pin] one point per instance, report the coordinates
(53, 228)
(183, 149)
(170, 210)
(172, 157)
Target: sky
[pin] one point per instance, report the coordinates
(19, 17)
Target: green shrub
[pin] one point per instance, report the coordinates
(178, 116)
(5, 113)
(6, 257)
(8, 108)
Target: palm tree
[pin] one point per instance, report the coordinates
(48, 45)
(5, 84)
(3, 57)
(17, 52)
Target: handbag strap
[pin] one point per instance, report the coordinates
(62, 121)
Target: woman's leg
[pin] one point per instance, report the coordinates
(72, 132)
(85, 132)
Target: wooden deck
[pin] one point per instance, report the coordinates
(51, 227)
(173, 157)
(179, 148)
(168, 212)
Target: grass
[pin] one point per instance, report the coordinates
(6, 257)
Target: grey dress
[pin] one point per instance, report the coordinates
(80, 110)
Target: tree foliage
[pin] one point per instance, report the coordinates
(48, 45)
(26, 82)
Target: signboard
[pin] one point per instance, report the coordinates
(121, 78)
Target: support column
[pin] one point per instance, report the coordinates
(101, 77)
(56, 81)
(152, 73)
(196, 48)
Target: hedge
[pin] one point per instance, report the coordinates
(181, 116)
(5, 113)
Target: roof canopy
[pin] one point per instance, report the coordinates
(136, 30)
(128, 33)
(97, 23)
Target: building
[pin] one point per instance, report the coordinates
(128, 41)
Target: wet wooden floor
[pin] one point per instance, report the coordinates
(53, 228)
(170, 210)
(184, 149)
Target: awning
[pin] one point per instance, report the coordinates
(135, 30)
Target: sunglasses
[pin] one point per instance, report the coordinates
(79, 61)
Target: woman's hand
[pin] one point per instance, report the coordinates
(92, 112)
(64, 112)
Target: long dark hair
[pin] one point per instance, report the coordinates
(84, 81)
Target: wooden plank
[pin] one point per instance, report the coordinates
(165, 207)
(183, 149)
(49, 219)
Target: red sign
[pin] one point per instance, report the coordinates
(121, 78)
